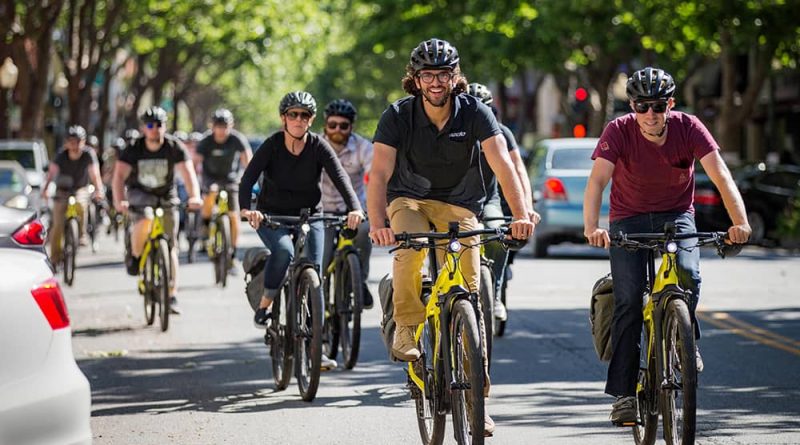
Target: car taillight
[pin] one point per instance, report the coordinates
(51, 301)
(707, 197)
(31, 234)
(554, 189)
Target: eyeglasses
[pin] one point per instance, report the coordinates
(344, 126)
(443, 76)
(642, 107)
(152, 125)
(294, 115)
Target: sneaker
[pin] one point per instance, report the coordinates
(500, 312)
(262, 317)
(234, 270)
(327, 363)
(623, 411)
(173, 306)
(698, 359)
(368, 300)
(404, 347)
(488, 426)
(133, 266)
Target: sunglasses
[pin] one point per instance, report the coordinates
(642, 107)
(342, 125)
(152, 125)
(294, 115)
(443, 76)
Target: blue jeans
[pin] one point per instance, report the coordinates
(281, 244)
(629, 272)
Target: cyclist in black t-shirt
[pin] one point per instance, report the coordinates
(147, 167)
(223, 154)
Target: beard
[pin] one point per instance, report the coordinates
(441, 102)
(338, 137)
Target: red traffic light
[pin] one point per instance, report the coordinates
(581, 94)
(579, 131)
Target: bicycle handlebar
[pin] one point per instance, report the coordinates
(658, 241)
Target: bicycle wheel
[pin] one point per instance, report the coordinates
(91, 225)
(191, 235)
(308, 333)
(351, 300)
(149, 296)
(71, 235)
(224, 253)
(163, 274)
(279, 340)
(486, 293)
(644, 432)
(430, 415)
(679, 394)
(330, 333)
(500, 325)
(468, 375)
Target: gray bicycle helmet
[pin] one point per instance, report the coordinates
(92, 140)
(131, 134)
(481, 92)
(650, 84)
(222, 116)
(195, 136)
(181, 136)
(76, 131)
(154, 114)
(298, 99)
(341, 107)
(434, 54)
(118, 143)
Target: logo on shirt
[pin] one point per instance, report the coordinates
(458, 135)
(604, 146)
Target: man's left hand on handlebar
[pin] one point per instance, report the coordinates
(354, 218)
(521, 228)
(740, 233)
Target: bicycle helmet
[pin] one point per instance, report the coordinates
(195, 136)
(434, 54)
(341, 107)
(131, 134)
(154, 114)
(223, 116)
(650, 84)
(481, 92)
(181, 136)
(118, 143)
(298, 99)
(92, 140)
(76, 131)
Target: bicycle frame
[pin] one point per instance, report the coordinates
(156, 233)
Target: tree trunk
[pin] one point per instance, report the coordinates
(104, 108)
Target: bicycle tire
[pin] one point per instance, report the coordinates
(149, 296)
(280, 341)
(431, 419)
(162, 283)
(468, 408)
(330, 330)
(486, 293)
(500, 325)
(679, 396)
(644, 432)
(91, 225)
(352, 300)
(71, 236)
(191, 236)
(308, 333)
(225, 249)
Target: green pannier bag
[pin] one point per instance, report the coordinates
(601, 316)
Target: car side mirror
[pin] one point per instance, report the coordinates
(46, 167)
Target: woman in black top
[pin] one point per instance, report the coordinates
(292, 161)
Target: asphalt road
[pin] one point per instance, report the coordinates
(208, 379)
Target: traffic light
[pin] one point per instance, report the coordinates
(580, 112)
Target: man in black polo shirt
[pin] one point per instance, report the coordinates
(426, 165)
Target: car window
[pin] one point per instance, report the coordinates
(10, 180)
(24, 157)
(572, 159)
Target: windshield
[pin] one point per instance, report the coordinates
(21, 155)
(572, 159)
(10, 180)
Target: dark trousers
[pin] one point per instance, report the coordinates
(629, 272)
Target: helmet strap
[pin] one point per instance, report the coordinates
(660, 133)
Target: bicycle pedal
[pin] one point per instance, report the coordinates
(623, 424)
(141, 287)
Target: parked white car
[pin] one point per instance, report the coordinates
(44, 397)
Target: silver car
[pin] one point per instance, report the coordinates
(559, 173)
(44, 396)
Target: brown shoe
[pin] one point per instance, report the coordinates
(404, 347)
(488, 426)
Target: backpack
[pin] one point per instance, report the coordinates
(253, 264)
(601, 316)
(388, 325)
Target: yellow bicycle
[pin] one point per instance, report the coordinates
(71, 239)
(449, 375)
(155, 268)
(220, 246)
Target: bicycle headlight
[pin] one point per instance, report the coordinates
(672, 247)
(71, 200)
(223, 194)
(454, 246)
(305, 228)
(159, 212)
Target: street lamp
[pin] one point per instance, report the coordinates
(8, 80)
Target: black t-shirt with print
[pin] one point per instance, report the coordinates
(154, 171)
(221, 161)
(432, 164)
(73, 175)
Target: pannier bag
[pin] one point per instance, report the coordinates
(601, 316)
(388, 325)
(253, 265)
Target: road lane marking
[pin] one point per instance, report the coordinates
(728, 322)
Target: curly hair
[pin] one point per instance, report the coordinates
(410, 86)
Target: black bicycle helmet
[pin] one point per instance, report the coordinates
(481, 92)
(223, 116)
(434, 54)
(76, 131)
(154, 114)
(341, 107)
(298, 99)
(650, 84)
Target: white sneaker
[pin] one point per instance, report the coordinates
(326, 364)
(500, 312)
